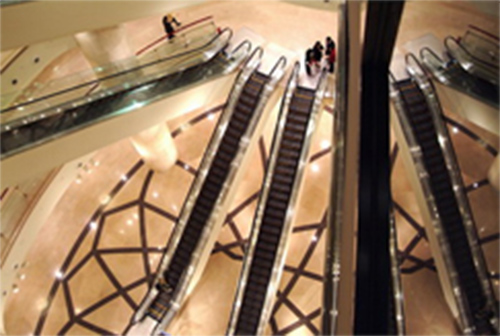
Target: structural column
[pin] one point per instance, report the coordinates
(109, 52)
(156, 147)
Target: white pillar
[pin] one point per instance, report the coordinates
(494, 174)
(156, 147)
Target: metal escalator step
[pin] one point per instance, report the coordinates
(276, 204)
(261, 263)
(258, 279)
(284, 152)
(279, 197)
(256, 288)
(253, 299)
(295, 127)
(234, 133)
(278, 187)
(273, 213)
(291, 145)
(298, 117)
(264, 245)
(271, 229)
(260, 271)
(269, 239)
(287, 162)
(241, 117)
(283, 179)
(292, 136)
(272, 222)
(247, 100)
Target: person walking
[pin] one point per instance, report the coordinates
(168, 21)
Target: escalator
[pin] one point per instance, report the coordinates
(272, 223)
(151, 82)
(221, 160)
(421, 119)
(450, 73)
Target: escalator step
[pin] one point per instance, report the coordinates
(295, 127)
(300, 118)
(271, 229)
(281, 188)
(289, 153)
(272, 222)
(287, 162)
(279, 197)
(276, 204)
(276, 214)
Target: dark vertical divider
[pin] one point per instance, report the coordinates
(373, 263)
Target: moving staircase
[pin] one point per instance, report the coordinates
(213, 182)
(273, 216)
(419, 110)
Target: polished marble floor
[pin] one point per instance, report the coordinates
(97, 252)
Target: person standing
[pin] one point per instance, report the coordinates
(331, 54)
(168, 21)
(309, 60)
(318, 52)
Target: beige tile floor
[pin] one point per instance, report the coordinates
(150, 202)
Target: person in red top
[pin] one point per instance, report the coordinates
(331, 54)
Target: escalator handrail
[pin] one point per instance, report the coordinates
(244, 43)
(281, 64)
(257, 221)
(432, 52)
(397, 286)
(427, 88)
(464, 315)
(121, 73)
(469, 54)
(195, 187)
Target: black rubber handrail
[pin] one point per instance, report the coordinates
(121, 73)
(474, 58)
(245, 42)
(430, 51)
(282, 59)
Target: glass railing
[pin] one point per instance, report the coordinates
(43, 95)
(196, 66)
(417, 72)
(335, 222)
(451, 74)
(481, 44)
(470, 63)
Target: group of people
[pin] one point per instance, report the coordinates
(314, 56)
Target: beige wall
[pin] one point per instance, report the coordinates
(36, 21)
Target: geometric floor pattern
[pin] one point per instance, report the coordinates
(91, 250)
(120, 294)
